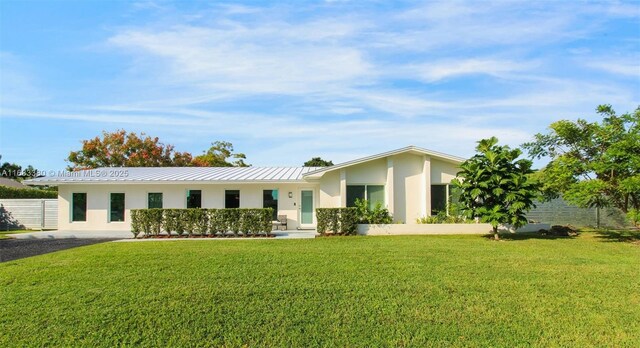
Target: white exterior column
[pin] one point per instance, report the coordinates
(426, 186)
(343, 187)
(389, 185)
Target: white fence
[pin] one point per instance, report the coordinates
(33, 213)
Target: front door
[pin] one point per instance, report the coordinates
(306, 209)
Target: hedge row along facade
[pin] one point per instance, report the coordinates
(202, 222)
(411, 182)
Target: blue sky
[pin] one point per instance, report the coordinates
(285, 81)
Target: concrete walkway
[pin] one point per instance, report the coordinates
(292, 234)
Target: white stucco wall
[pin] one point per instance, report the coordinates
(372, 173)
(407, 185)
(442, 172)
(174, 196)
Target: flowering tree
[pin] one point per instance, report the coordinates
(123, 149)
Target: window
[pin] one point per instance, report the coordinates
(374, 194)
(438, 198)
(79, 207)
(116, 207)
(354, 192)
(154, 200)
(270, 200)
(194, 199)
(232, 198)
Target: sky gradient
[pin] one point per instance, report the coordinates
(286, 81)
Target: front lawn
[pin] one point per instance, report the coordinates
(339, 291)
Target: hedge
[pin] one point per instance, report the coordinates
(12, 192)
(338, 221)
(202, 222)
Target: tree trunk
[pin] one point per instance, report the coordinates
(496, 236)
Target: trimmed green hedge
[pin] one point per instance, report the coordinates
(12, 192)
(202, 222)
(337, 221)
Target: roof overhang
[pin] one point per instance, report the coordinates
(317, 174)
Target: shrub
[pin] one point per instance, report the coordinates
(441, 217)
(12, 192)
(337, 220)
(202, 221)
(377, 215)
(136, 227)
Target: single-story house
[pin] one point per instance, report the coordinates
(411, 182)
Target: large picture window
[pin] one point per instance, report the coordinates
(270, 200)
(116, 207)
(194, 199)
(374, 194)
(154, 200)
(232, 198)
(79, 206)
(438, 198)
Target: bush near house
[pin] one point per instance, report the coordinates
(12, 192)
(376, 215)
(202, 222)
(337, 221)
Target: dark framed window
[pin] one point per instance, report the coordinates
(232, 198)
(270, 200)
(154, 200)
(438, 198)
(194, 199)
(354, 192)
(116, 207)
(374, 194)
(79, 206)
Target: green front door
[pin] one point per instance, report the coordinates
(306, 207)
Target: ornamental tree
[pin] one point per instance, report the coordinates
(123, 149)
(495, 187)
(592, 164)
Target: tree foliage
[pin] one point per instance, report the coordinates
(15, 171)
(219, 155)
(494, 185)
(592, 164)
(124, 149)
(317, 162)
(127, 149)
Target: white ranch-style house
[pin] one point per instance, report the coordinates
(411, 182)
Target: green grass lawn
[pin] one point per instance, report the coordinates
(339, 291)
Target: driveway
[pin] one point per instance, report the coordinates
(13, 249)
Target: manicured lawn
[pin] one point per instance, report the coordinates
(339, 291)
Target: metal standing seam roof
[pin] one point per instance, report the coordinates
(177, 174)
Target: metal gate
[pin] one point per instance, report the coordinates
(28, 213)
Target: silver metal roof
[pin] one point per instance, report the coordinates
(176, 175)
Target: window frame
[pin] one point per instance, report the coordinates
(277, 200)
(366, 193)
(186, 199)
(124, 208)
(446, 198)
(86, 207)
(161, 199)
(224, 198)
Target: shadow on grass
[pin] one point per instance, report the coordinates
(527, 236)
(632, 236)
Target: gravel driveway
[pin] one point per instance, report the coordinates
(13, 249)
